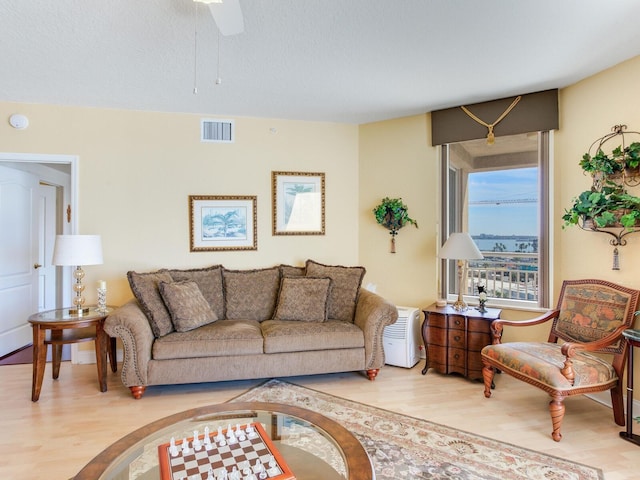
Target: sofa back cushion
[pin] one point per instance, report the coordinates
(303, 298)
(145, 288)
(209, 282)
(251, 294)
(186, 304)
(345, 288)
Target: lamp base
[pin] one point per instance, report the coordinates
(460, 306)
(79, 311)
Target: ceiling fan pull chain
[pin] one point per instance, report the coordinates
(490, 135)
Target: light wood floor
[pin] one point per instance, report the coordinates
(72, 422)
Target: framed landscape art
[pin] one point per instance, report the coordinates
(298, 203)
(222, 223)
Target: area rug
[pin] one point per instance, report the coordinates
(402, 447)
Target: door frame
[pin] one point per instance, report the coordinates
(71, 227)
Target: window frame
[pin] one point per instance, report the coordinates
(455, 203)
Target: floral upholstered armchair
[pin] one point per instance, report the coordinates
(590, 317)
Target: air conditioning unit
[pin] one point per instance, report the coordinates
(402, 340)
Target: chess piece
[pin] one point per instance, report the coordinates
(235, 474)
(210, 473)
(185, 447)
(197, 444)
(219, 436)
(240, 433)
(173, 450)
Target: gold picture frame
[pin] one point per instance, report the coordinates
(222, 222)
(298, 203)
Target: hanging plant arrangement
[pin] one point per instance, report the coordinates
(392, 214)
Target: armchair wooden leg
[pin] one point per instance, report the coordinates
(487, 377)
(373, 373)
(618, 404)
(556, 408)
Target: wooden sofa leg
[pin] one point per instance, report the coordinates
(556, 408)
(137, 391)
(373, 373)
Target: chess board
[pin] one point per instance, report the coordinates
(208, 461)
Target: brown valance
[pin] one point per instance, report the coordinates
(534, 112)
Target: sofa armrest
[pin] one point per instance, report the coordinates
(130, 324)
(373, 313)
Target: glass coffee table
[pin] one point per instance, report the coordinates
(312, 445)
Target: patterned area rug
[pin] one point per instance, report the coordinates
(403, 447)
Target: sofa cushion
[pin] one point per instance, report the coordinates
(145, 288)
(209, 281)
(291, 336)
(345, 288)
(217, 339)
(291, 271)
(303, 298)
(251, 294)
(186, 304)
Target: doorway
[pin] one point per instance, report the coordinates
(36, 190)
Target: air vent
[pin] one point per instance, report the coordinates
(217, 131)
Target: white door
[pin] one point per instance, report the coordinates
(46, 239)
(18, 257)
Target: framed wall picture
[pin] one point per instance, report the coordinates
(222, 223)
(298, 203)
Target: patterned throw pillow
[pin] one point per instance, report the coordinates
(251, 294)
(187, 306)
(145, 288)
(303, 298)
(209, 282)
(344, 290)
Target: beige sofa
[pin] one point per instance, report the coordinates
(214, 324)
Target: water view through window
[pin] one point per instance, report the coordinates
(503, 211)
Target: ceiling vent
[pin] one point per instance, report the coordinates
(217, 131)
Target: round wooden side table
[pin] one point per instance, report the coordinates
(57, 328)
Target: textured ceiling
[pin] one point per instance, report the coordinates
(352, 61)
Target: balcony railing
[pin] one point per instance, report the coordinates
(505, 275)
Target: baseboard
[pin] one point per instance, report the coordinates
(604, 398)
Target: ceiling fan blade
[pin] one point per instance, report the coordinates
(228, 17)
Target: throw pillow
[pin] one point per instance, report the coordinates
(187, 306)
(291, 271)
(209, 282)
(344, 291)
(251, 294)
(145, 288)
(303, 298)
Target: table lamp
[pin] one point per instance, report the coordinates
(460, 247)
(77, 250)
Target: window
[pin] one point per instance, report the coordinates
(499, 194)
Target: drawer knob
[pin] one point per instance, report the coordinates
(457, 338)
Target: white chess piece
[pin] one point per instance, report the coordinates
(185, 446)
(197, 444)
(219, 436)
(173, 450)
(210, 473)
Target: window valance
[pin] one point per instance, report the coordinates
(533, 112)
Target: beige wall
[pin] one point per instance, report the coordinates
(137, 170)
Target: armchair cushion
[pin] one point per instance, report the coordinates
(303, 298)
(541, 363)
(187, 306)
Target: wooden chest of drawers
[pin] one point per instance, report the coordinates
(453, 340)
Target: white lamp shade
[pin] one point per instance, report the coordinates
(460, 246)
(76, 250)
